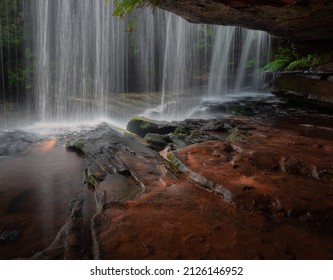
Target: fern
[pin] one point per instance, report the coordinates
(276, 65)
(305, 63)
(123, 7)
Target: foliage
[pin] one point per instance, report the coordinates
(281, 60)
(17, 62)
(305, 63)
(287, 59)
(205, 43)
(182, 130)
(90, 180)
(11, 23)
(173, 162)
(235, 133)
(123, 7)
(276, 65)
(22, 73)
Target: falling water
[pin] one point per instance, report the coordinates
(85, 60)
(3, 83)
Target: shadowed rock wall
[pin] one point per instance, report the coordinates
(299, 20)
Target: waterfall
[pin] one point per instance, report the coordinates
(86, 62)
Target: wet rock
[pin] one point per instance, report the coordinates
(205, 125)
(9, 235)
(157, 141)
(16, 142)
(115, 189)
(69, 241)
(142, 126)
(264, 205)
(265, 161)
(290, 165)
(202, 181)
(190, 132)
(179, 142)
(302, 90)
(110, 151)
(75, 146)
(226, 108)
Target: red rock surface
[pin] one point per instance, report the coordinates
(281, 208)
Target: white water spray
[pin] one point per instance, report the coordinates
(86, 60)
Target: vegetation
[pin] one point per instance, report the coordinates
(181, 131)
(74, 145)
(91, 180)
(16, 61)
(305, 63)
(289, 59)
(235, 133)
(173, 162)
(205, 42)
(123, 7)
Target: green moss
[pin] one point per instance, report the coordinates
(182, 131)
(91, 180)
(75, 145)
(239, 109)
(233, 135)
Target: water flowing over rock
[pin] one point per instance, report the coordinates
(84, 58)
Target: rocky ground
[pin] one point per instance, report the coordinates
(238, 187)
(242, 189)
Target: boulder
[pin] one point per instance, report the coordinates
(142, 126)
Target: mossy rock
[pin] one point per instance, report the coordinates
(142, 126)
(74, 145)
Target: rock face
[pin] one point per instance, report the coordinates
(300, 20)
(265, 193)
(304, 90)
(16, 142)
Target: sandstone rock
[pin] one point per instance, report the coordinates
(304, 90)
(301, 20)
(265, 161)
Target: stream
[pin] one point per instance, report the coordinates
(37, 191)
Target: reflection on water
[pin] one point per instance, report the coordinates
(36, 190)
